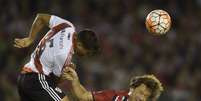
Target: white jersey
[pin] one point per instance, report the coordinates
(57, 51)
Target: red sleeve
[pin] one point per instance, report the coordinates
(109, 95)
(104, 95)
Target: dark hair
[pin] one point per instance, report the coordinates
(89, 41)
(151, 82)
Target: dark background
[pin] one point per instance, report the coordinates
(127, 48)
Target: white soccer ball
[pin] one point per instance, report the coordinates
(158, 22)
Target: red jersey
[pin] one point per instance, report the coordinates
(110, 95)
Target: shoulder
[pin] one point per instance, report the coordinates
(122, 92)
(110, 95)
(55, 21)
(104, 94)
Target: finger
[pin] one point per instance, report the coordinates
(72, 70)
(18, 46)
(21, 45)
(67, 73)
(64, 75)
(68, 69)
(67, 77)
(65, 70)
(21, 41)
(17, 40)
(72, 65)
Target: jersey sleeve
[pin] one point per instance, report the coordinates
(110, 95)
(105, 95)
(55, 20)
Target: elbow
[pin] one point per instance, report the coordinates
(43, 18)
(41, 14)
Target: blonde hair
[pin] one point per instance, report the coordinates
(151, 82)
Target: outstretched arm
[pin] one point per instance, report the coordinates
(40, 22)
(81, 93)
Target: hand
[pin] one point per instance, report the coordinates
(22, 43)
(70, 74)
(72, 65)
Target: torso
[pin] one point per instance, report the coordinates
(56, 51)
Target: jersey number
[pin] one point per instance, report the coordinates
(51, 43)
(43, 47)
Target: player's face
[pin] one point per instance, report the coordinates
(140, 93)
(80, 50)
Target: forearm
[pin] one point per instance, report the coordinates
(81, 93)
(40, 22)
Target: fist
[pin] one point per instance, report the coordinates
(22, 43)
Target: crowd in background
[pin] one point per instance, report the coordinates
(127, 48)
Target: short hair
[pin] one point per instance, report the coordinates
(89, 41)
(151, 82)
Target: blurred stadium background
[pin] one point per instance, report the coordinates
(127, 48)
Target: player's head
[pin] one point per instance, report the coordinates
(145, 88)
(86, 43)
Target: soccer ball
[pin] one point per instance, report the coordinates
(158, 22)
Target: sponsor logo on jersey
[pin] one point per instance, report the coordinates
(68, 36)
(58, 90)
(61, 40)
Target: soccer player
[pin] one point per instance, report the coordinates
(142, 88)
(38, 78)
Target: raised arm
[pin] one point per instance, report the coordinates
(40, 22)
(81, 93)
